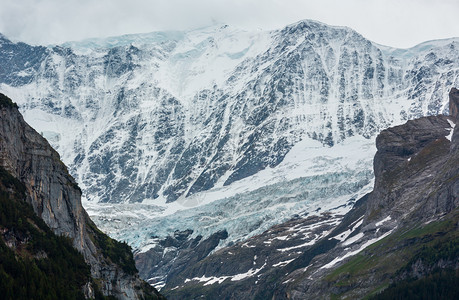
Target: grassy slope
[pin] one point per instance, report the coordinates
(395, 256)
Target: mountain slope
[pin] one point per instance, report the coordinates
(402, 234)
(411, 212)
(221, 130)
(55, 198)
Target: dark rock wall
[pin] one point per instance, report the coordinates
(454, 103)
(408, 159)
(416, 167)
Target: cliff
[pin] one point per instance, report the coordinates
(414, 166)
(56, 198)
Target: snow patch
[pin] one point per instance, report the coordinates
(451, 130)
(352, 253)
(309, 243)
(220, 279)
(388, 218)
(283, 263)
(343, 236)
(353, 239)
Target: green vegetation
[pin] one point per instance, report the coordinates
(6, 102)
(395, 256)
(34, 262)
(441, 284)
(430, 255)
(119, 253)
(37, 264)
(354, 267)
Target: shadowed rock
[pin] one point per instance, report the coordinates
(454, 103)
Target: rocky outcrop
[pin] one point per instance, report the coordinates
(416, 168)
(56, 198)
(454, 103)
(409, 165)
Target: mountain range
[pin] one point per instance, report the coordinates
(190, 143)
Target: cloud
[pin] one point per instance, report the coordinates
(390, 22)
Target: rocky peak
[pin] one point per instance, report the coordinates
(454, 103)
(410, 160)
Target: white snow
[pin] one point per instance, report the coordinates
(247, 274)
(388, 218)
(159, 282)
(220, 279)
(273, 195)
(248, 246)
(352, 253)
(283, 263)
(343, 236)
(451, 130)
(353, 239)
(310, 242)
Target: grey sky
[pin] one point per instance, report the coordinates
(398, 23)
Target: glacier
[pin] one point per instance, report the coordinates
(220, 128)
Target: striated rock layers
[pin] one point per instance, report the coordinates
(56, 198)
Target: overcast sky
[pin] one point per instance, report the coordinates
(397, 23)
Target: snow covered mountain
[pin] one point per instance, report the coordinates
(246, 128)
(167, 115)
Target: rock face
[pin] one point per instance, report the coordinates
(417, 162)
(412, 210)
(53, 194)
(454, 103)
(56, 198)
(408, 157)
